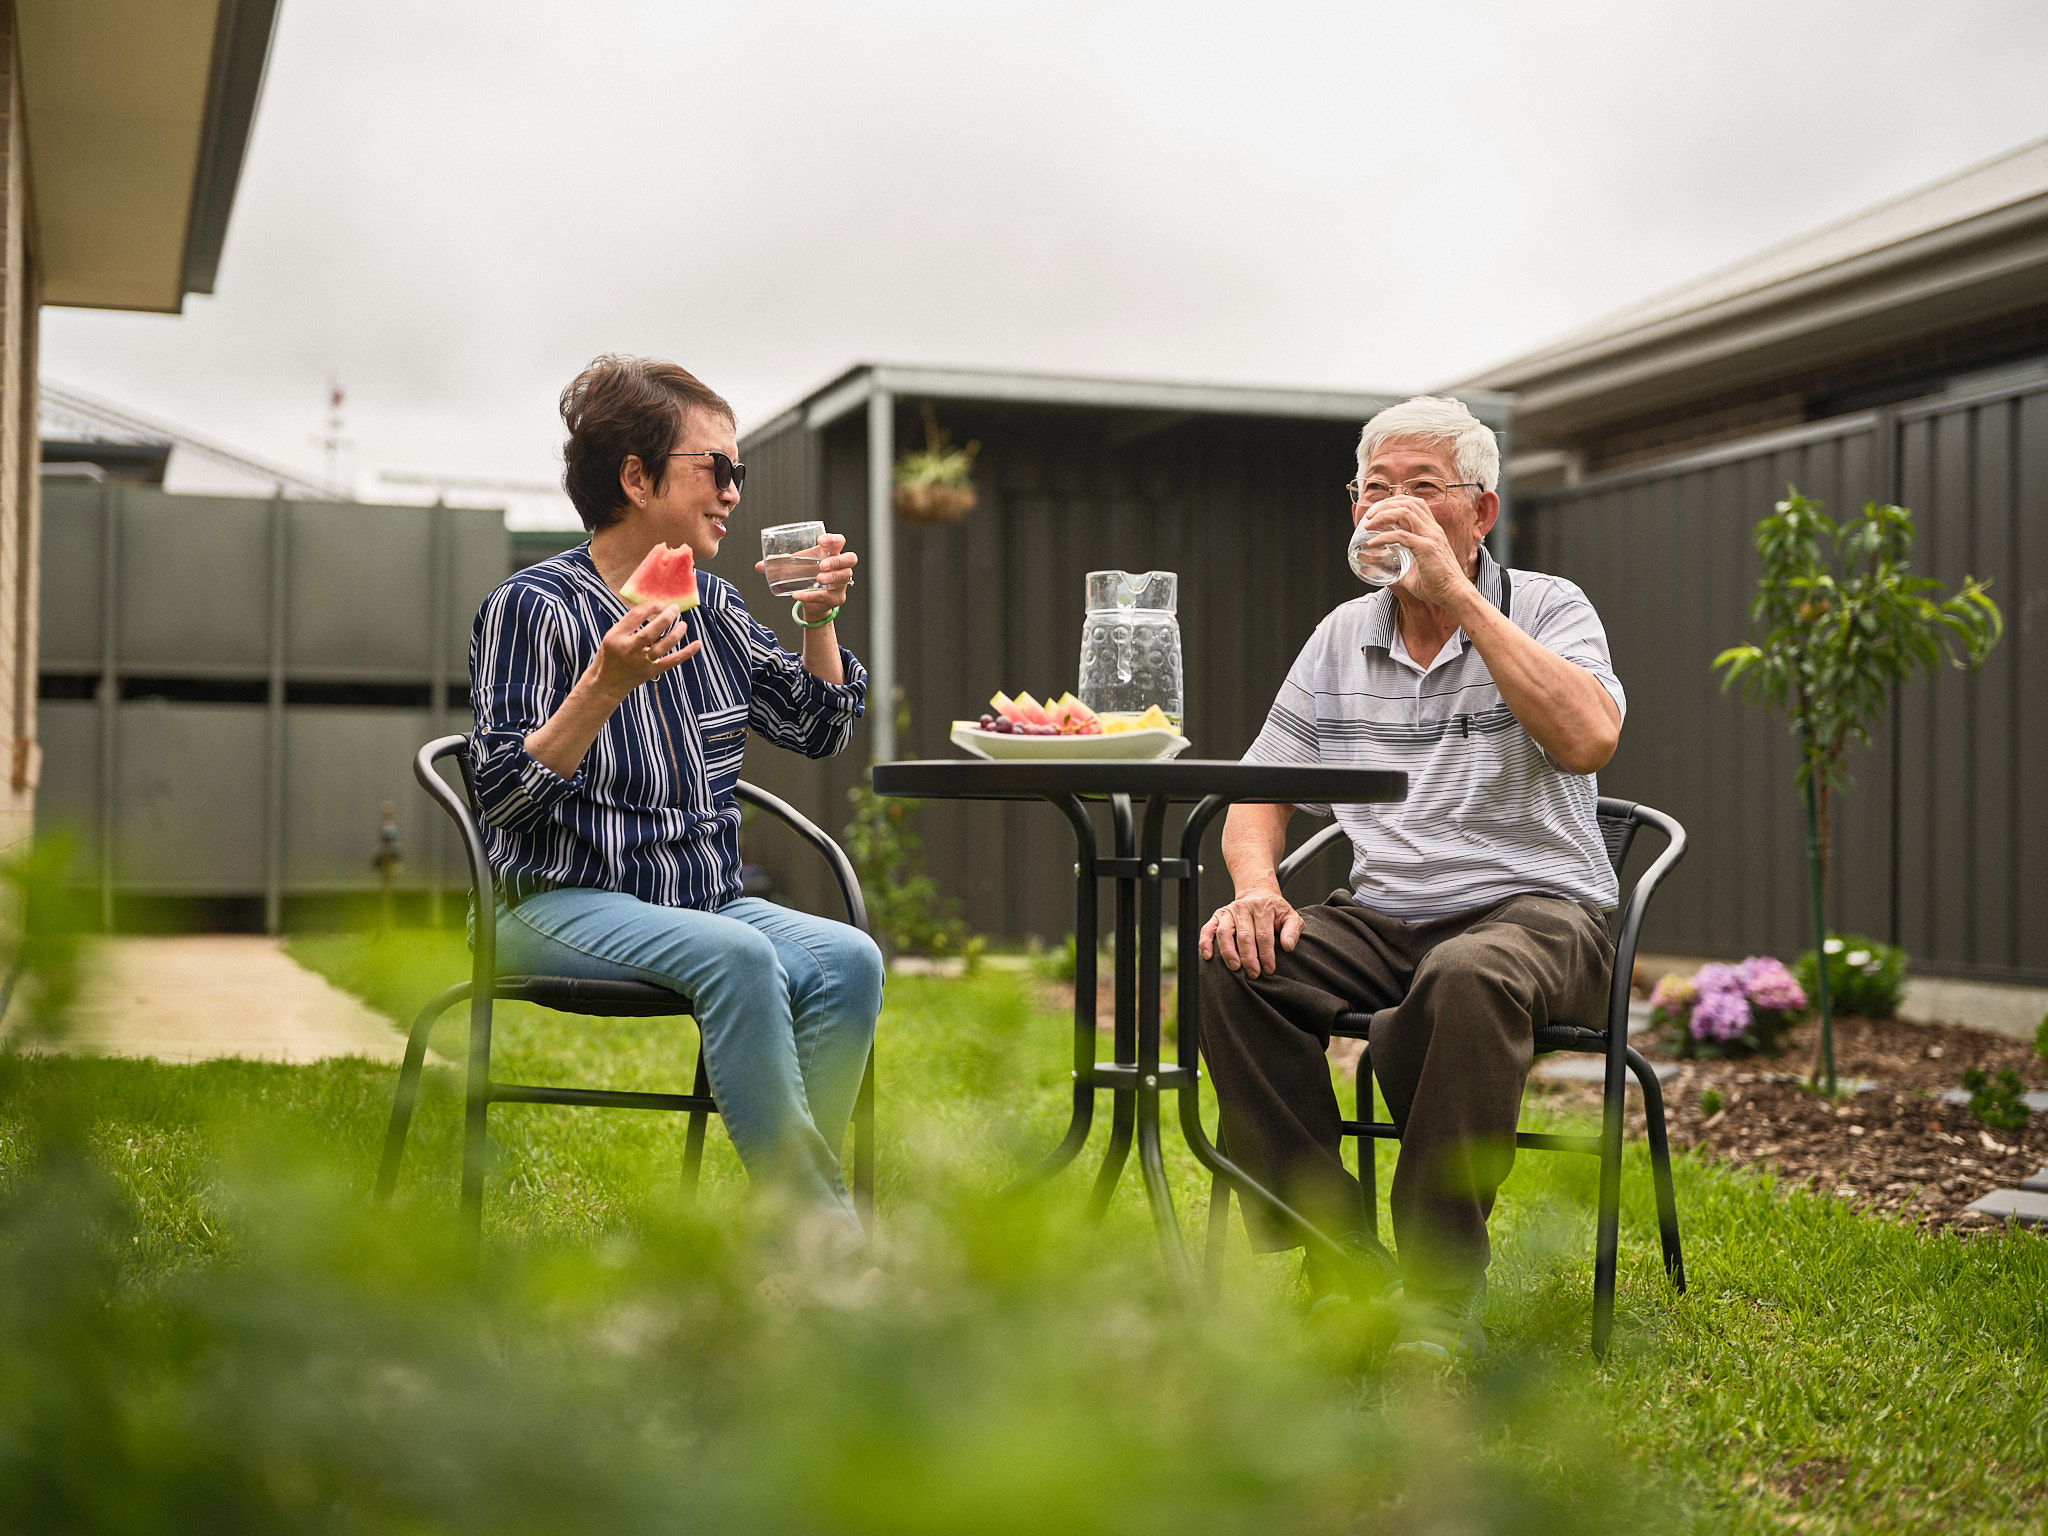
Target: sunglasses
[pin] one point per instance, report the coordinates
(723, 470)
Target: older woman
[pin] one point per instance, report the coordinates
(608, 740)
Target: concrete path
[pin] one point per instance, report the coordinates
(199, 997)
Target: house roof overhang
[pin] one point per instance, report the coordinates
(1966, 250)
(138, 117)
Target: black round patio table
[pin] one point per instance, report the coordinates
(1135, 1077)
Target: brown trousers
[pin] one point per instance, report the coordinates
(1456, 1001)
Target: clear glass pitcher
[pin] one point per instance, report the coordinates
(1130, 644)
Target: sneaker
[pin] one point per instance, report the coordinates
(1442, 1325)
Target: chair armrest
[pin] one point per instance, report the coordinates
(1638, 904)
(484, 942)
(1292, 864)
(810, 832)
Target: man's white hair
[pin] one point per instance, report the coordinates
(1436, 419)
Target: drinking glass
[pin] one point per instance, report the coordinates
(789, 557)
(1381, 566)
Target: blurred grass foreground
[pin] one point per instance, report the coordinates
(205, 1325)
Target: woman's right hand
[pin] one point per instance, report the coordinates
(647, 642)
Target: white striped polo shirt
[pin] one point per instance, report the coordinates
(1488, 814)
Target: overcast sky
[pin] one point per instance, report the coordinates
(452, 206)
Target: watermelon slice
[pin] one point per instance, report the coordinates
(667, 575)
(1029, 710)
(1004, 705)
(1075, 718)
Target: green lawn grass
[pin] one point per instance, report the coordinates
(1827, 1370)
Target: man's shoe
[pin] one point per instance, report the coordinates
(1442, 1325)
(1365, 1271)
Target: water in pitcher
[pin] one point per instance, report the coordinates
(1130, 645)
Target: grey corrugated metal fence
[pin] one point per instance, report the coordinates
(1932, 843)
(232, 687)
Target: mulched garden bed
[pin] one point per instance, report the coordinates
(1895, 1148)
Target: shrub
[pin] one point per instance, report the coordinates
(2041, 1038)
(1058, 964)
(905, 909)
(1998, 1101)
(1865, 978)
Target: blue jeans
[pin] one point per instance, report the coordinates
(785, 1004)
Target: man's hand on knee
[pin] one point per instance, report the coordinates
(1249, 933)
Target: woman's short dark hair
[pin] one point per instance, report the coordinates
(618, 408)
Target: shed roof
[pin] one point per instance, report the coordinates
(852, 389)
(1967, 247)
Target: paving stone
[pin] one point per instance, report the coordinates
(2034, 1098)
(2026, 1207)
(2038, 1184)
(1564, 1067)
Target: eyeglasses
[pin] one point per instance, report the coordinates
(1431, 491)
(723, 470)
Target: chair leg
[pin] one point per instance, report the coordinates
(1660, 1168)
(1368, 1146)
(693, 1144)
(864, 1147)
(1219, 1223)
(476, 1112)
(408, 1089)
(1609, 1227)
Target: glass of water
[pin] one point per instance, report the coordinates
(790, 556)
(1377, 566)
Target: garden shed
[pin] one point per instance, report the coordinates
(1239, 490)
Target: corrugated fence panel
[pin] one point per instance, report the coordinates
(194, 581)
(2025, 601)
(69, 636)
(1931, 854)
(1666, 556)
(1970, 746)
(193, 780)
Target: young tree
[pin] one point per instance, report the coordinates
(1844, 622)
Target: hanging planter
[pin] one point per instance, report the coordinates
(935, 486)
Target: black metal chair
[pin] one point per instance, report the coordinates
(1620, 820)
(604, 999)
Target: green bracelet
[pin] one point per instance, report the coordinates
(796, 611)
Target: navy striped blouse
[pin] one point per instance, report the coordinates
(651, 811)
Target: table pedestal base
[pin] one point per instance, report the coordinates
(1135, 1076)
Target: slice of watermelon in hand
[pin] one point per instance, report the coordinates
(667, 575)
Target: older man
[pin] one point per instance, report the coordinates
(1476, 907)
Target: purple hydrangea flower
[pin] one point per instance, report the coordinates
(1768, 985)
(1722, 1012)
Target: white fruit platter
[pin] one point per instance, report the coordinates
(1145, 745)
